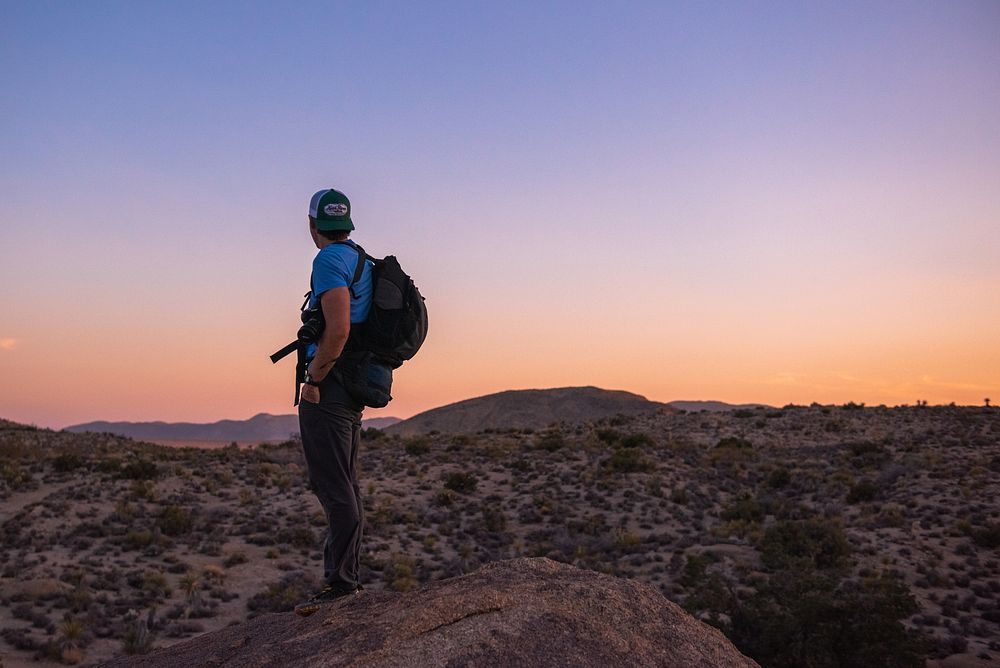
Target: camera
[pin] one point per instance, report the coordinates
(312, 327)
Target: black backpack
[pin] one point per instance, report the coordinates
(392, 333)
(397, 321)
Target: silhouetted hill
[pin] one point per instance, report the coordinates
(261, 427)
(521, 612)
(526, 409)
(9, 424)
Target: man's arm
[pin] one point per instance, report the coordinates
(336, 305)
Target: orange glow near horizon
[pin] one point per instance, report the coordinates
(895, 354)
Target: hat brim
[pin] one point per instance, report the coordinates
(334, 225)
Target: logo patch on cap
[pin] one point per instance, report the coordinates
(335, 209)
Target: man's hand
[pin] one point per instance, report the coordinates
(310, 393)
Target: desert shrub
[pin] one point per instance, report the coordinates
(628, 460)
(139, 469)
(112, 466)
(400, 574)
(862, 491)
(138, 540)
(851, 406)
(636, 441)
(174, 521)
(71, 633)
(987, 536)
(627, 540)
(137, 638)
(494, 519)
(812, 543)
(235, 559)
(143, 489)
(301, 537)
(445, 497)
(417, 446)
(807, 618)
(551, 441)
(949, 645)
(372, 434)
(744, 508)
(520, 464)
(463, 483)
(866, 454)
(152, 583)
(67, 462)
(707, 592)
(12, 474)
(37, 617)
(679, 495)
(20, 638)
(282, 596)
(609, 436)
(779, 477)
(734, 443)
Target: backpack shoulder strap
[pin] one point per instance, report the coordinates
(358, 268)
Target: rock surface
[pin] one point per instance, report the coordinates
(521, 612)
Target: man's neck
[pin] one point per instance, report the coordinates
(324, 242)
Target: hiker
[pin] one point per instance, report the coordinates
(329, 418)
(362, 318)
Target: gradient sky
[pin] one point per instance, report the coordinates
(774, 202)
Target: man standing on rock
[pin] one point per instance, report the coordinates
(329, 419)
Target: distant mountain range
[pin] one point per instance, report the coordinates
(513, 409)
(260, 428)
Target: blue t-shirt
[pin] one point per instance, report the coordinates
(333, 267)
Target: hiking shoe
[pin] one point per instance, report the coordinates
(329, 594)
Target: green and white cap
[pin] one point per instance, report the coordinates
(332, 210)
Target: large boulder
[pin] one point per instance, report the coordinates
(521, 612)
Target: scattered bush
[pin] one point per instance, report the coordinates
(139, 469)
(401, 574)
(862, 492)
(628, 460)
(174, 521)
(813, 544)
(67, 462)
(609, 436)
(636, 441)
(235, 559)
(779, 477)
(137, 638)
(463, 483)
(138, 540)
(679, 495)
(282, 596)
(550, 441)
(734, 443)
(744, 508)
(417, 446)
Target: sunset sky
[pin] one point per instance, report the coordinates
(749, 202)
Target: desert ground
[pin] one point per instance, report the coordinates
(111, 546)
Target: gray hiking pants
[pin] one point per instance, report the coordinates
(331, 434)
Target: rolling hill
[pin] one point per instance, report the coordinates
(526, 409)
